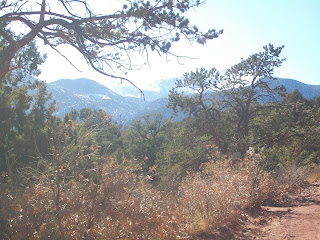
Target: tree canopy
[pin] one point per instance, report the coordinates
(106, 41)
(224, 106)
(87, 177)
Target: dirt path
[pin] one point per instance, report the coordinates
(299, 221)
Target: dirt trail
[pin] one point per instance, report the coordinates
(299, 221)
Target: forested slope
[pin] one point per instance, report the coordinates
(86, 176)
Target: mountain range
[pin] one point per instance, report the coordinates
(126, 103)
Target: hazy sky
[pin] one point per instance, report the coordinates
(248, 26)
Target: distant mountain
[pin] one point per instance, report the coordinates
(158, 90)
(85, 93)
(131, 91)
(308, 91)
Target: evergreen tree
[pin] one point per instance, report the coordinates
(105, 40)
(223, 107)
(25, 108)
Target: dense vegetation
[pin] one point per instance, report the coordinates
(87, 177)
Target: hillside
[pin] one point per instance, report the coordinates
(126, 103)
(85, 93)
(308, 91)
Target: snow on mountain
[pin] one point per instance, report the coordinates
(85, 93)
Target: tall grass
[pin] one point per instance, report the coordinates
(218, 194)
(112, 200)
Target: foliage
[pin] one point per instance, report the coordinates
(227, 115)
(182, 153)
(144, 139)
(25, 60)
(114, 204)
(106, 131)
(25, 107)
(292, 176)
(87, 177)
(289, 131)
(219, 193)
(104, 40)
(78, 194)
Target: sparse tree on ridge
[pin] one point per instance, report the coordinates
(227, 115)
(106, 41)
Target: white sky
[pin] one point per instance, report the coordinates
(248, 26)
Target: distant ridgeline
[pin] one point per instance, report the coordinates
(308, 91)
(126, 103)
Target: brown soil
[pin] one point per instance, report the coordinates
(300, 220)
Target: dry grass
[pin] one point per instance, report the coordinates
(116, 204)
(222, 191)
(111, 201)
(313, 177)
